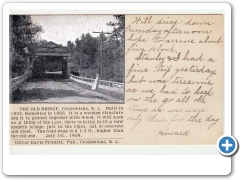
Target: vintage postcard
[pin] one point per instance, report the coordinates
(129, 81)
(116, 79)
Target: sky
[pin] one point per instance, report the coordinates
(62, 28)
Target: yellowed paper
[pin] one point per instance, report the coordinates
(173, 91)
(174, 78)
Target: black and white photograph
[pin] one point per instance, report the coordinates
(66, 58)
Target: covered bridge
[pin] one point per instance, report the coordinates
(52, 61)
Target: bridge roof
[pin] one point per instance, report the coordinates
(52, 49)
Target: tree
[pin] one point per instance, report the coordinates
(114, 53)
(89, 46)
(118, 28)
(23, 38)
(77, 54)
(85, 51)
(70, 46)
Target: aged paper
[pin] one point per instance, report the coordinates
(174, 78)
(173, 91)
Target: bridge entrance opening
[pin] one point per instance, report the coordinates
(54, 67)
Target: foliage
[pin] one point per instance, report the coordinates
(23, 39)
(87, 53)
(118, 28)
(70, 46)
